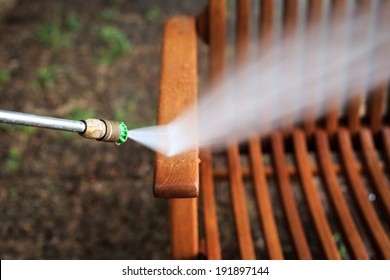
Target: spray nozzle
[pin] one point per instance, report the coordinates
(105, 130)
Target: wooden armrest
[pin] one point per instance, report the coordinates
(177, 176)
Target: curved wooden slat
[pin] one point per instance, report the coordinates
(374, 169)
(266, 23)
(313, 200)
(240, 210)
(375, 228)
(354, 105)
(314, 19)
(331, 122)
(386, 145)
(242, 29)
(217, 31)
(377, 96)
(290, 24)
(213, 248)
(290, 16)
(263, 199)
(351, 234)
(290, 209)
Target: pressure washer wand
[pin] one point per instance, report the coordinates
(99, 129)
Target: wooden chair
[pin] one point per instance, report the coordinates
(291, 194)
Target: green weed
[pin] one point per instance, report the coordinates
(13, 192)
(341, 247)
(109, 14)
(46, 77)
(12, 163)
(4, 77)
(73, 22)
(81, 113)
(56, 33)
(117, 44)
(152, 14)
(17, 128)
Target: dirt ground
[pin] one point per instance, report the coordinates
(61, 196)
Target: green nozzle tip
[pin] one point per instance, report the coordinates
(122, 139)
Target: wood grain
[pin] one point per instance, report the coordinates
(331, 120)
(177, 176)
(240, 211)
(386, 146)
(312, 197)
(353, 240)
(377, 233)
(375, 172)
(213, 248)
(184, 228)
(289, 206)
(263, 200)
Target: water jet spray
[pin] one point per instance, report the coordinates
(98, 129)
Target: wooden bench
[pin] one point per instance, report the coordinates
(319, 191)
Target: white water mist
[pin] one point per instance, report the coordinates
(300, 75)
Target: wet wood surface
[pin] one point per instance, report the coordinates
(177, 176)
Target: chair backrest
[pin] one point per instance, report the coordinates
(307, 183)
(364, 109)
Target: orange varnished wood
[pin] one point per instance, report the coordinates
(290, 16)
(375, 228)
(375, 107)
(240, 210)
(266, 27)
(294, 222)
(377, 97)
(242, 28)
(213, 248)
(331, 123)
(217, 30)
(212, 28)
(222, 173)
(263, 198)
(386, 146)
(314, 18)
(264, 201)
(184, 228)
(380, 184)
(313, 200)
(290, 24)
(177, 176)
(351, 234)
(236, 180)
(354, 105)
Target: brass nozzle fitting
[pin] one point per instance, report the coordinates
(103, 130)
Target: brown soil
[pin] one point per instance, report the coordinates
(61, 196)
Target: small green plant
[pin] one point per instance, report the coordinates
(109, 14)
(12, 163)
(56, 33)
(341, 247)
(117, 44)
(152, 14)
(73, 22)
(13, 192)
(4, 77)
(81, 113)
(46, 77)
(16, 128)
